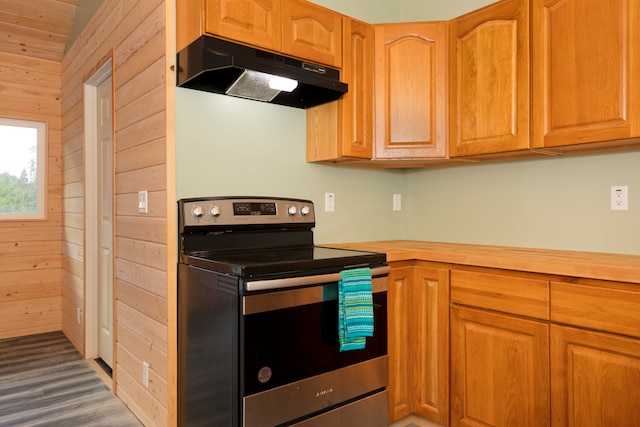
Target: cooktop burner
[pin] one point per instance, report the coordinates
(290, 260)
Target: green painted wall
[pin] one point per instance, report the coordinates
(559, 203)
(379, 11)
(228, 146)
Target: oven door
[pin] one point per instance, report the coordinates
(291, 363)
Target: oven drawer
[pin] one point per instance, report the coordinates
(315, 394)
(370, 411)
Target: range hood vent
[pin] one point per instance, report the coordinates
(219, 66)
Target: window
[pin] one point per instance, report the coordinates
(22, 169)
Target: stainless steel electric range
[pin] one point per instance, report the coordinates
(258, 320)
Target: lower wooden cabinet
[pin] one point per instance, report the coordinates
(471, 346)
(595, 378)
(535, 350)
(399, 301)
(430, 342)
(500, 370)
(419, 341)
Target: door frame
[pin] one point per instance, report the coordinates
(91, 207)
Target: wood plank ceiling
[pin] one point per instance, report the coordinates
(36, 28)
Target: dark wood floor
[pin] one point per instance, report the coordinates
(45, 382)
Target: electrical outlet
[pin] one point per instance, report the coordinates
(145, 374)
(78, 315)
(619, 198)
(329, 202)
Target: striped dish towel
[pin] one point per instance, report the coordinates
(355, 308)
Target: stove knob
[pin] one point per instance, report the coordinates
(292, 210)
(197, 211)
(214, 211)
(305, 210)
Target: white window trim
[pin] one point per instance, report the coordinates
(41, 170)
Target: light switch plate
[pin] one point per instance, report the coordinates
(142, 202)
(397, 202)
(145, 374)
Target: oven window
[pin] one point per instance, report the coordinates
(291, 344)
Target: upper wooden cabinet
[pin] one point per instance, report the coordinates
(312, 32)
(411, 75)
(579, 60)
(586, 63)
(515, 78)
(396, 108)
(256, 22)
(489, 89)
(342, 131)
(295, 27)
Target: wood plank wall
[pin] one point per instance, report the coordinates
(30, 251)
(134, 35)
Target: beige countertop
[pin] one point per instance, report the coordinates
(590, 265)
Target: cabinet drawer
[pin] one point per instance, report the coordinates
(605, 306)
(524, 295)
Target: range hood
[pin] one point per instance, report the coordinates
(219, 66)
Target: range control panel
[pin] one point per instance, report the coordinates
(233, 211)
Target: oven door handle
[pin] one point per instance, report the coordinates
(294, 282)
(296, 297)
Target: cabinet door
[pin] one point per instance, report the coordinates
(586, 62)
(357, 103)
(255, 22)
(489, 92)
(411, 90)
(499, 370)
(399, 299)
(343, 129)
(595, 378)
(312, 32)
(430, 343)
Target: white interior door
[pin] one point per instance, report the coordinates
(105, 230)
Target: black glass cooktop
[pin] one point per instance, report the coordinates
(291, 261)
